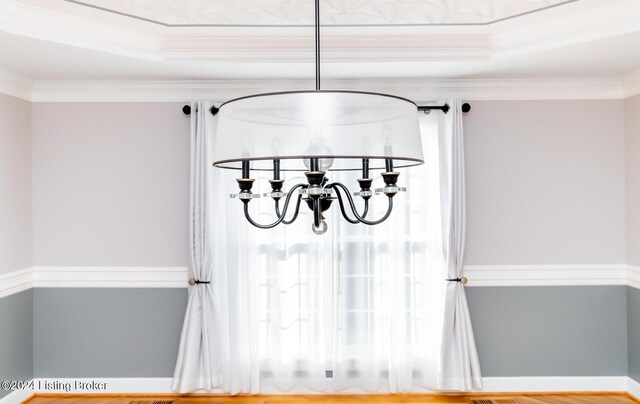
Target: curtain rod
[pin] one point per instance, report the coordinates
(466, 107)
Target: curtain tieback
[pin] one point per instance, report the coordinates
(197, 282)
(462, 280)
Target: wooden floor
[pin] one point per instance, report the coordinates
(612, 398)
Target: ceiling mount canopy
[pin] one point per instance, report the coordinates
(316, 131)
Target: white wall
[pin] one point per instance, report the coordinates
(632, 115)
(15, 184)
(110, 184)
(546, 182)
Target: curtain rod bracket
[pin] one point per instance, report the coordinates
(213, 110)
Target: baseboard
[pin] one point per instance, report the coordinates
(491, 385)
(16, 397)
(633, 388)
(554, 384)
(133, 385)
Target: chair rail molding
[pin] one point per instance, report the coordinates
(177, 277)
(92, 277)
(16, 281)
(109, 277)
(552, 275)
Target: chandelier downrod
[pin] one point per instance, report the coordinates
(317, 19)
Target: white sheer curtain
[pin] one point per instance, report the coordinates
(459, 364)
(359, 308)
(196, 364)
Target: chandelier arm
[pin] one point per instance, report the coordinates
(366, 208)
(277, 207)
(295, 212)
(353, 207)
(342, 209)
(280, 217)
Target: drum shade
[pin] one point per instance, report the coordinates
(339, 127)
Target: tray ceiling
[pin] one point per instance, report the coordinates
(334, 12)
(61, 49)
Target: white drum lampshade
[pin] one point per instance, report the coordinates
(338, 127)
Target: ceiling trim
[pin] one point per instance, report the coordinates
(605, 20)
(419, 90)
(576, 22)
(15, 85)
(631, 84)
(164, 24)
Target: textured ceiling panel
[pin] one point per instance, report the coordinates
(334, 12)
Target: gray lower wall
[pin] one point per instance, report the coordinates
(550, 331)
(16, 337)
(633, 327)
(107, 332)
(520, 331)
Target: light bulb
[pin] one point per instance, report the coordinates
(323, 164)
(320, 229)
(317, 148)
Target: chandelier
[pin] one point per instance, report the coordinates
(318, 131)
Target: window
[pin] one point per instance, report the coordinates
(361, 305)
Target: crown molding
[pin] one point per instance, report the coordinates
(631, 84)
(15, 85)
(419, 90)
